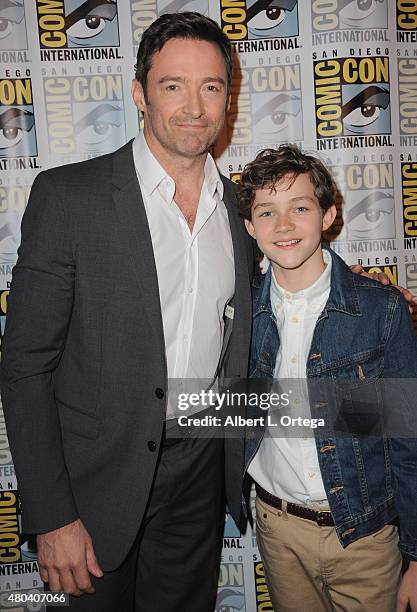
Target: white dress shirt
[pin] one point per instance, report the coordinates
(288, 467)
(195, 268)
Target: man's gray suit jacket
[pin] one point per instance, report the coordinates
(83, 370)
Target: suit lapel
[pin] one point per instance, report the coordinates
(242, 319)
(135, 234)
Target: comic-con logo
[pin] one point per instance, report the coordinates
(352, 97)
(231, 590)
(368, 200)
(406, 20)
(331, 15)
(85, 114)
(266, 106)
(389, 270)
(10, 539)
(77, 23)
(12, 25)
(263, 599)
(409, 201)
(255, 19)
(17, 119)
(407, 97)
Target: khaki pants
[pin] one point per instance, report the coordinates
(308, 570)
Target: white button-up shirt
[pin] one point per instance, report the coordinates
(288, 467)
(195, 268)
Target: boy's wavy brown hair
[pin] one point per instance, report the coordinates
(271, 166)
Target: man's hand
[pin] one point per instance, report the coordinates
(65, 557)
(384, 280)
(407, 593)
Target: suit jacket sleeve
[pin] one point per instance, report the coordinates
(39, 313)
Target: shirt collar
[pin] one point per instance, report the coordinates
(311, 294)
(151, 173)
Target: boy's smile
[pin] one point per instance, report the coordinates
(287, 222)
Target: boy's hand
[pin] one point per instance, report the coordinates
(384, 280)
(407, 593)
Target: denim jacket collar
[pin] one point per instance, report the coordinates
(343, 293)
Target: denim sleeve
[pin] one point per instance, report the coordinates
(401, 363)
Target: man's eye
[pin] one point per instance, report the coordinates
(301, 209)
(171, 87)
(267, 19)
(213, 88)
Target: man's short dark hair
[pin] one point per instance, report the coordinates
(187, 25)
(271, 166)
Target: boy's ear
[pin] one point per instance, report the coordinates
(328, 217)
(250, 229)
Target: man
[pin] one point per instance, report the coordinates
(126, 266)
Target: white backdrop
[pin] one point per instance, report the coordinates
(335, 76)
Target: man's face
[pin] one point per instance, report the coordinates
(186, 100)
(287, 223)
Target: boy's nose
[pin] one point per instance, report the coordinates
(284, 224)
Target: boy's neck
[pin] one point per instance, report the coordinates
(303, 277)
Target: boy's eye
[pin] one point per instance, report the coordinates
(266, 213)
(301, 209)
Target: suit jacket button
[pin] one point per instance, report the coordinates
(152, 445)
(159, 393)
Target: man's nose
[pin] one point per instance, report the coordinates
(194, 105)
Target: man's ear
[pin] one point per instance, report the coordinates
(328, 217)
(138, 95)
(250, 229)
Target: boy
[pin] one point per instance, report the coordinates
(326, 506)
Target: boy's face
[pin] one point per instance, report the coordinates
(287, 223)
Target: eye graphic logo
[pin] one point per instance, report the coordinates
(365, 109)
(368, 200)
(255, 19)
(17, 119)
(230, 600)
(277, 117)
(13, 200)
(179, 6)
(231, 592)
(76, 24)
(12, 25)
(230, 528)
(85, 115)
(269, 106)
(352, 96)
(331, 15)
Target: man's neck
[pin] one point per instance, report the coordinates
(187, 172)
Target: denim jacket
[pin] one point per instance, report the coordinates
(364, 331)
